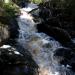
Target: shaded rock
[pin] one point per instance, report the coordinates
(13, 62)
(4, 33)
(44, 13)
(2, 11)
(65, 56)
(57, 33)
(53, 22)
(62, 16)
(21, 3)
(10, 56)
(26, 54)
(8, 28)
(72, 63)
(12, 24)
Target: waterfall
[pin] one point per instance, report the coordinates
(40, 45)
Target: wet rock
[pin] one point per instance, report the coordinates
(12, 62)
(72, 63)
(12, 24)
(8, 29)
(21, 3)
(57, 33)
(65, 56)
(55, 15)
(4, 33)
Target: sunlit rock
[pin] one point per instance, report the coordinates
(5, 46)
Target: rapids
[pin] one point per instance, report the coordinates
(40, 45)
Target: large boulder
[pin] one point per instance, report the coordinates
(54, 14)
(65, 56)
(8, 29)
(57, 33)
(12, 25)
(4, 33)
(12, 62)
(21, 3)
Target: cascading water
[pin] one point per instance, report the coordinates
(40, 45)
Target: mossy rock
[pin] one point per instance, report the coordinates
(8, 29)
(9, 9)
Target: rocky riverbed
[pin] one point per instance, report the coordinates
(28, 48)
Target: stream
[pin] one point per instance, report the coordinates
(40, 45)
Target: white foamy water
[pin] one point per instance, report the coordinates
(5, 46)
(40, 45)
(30, 7)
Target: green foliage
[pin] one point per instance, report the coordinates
(37, 1)
(10, 9)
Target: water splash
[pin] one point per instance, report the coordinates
(30, 7)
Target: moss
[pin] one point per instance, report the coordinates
(11, 10)
(37, 1)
